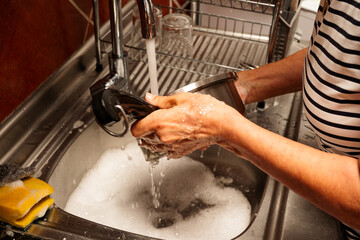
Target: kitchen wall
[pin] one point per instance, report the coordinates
(36, 38)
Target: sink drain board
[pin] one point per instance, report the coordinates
(212, 55)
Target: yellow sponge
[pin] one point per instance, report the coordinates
(38, 210)
(24, 200)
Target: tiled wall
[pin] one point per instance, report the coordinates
(36, 37)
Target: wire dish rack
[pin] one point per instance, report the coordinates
(228, 35)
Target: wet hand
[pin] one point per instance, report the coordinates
(185, 122)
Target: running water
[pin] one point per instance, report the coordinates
(155, 192)
(217, 160)
(153, 158)
(150, 50)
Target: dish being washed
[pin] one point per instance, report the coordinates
(106, 180)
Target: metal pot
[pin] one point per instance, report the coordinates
(221, 87)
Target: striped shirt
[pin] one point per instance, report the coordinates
(331, 79)
(331, 88)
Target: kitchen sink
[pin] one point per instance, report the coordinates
(85, 152)
(55, 132)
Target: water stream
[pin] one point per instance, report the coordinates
(150, 50)
(155, 191)
(151, 53)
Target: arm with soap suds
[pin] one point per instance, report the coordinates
(186, 122)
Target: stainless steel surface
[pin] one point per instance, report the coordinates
(76, 161)
(43, 129)
(118, 57)
(117, 61)
(206, 83)
(105, 107)
(118, 77)
(213, 55)
(286, 28)
(147, 19)
(266, 39)
(274, 29)
(220, 86)
(220, 43)
(126, 124)
(277, 213)
(301, 210)
(259, 6)
(118, 64)
(116, 28)
(97, 36)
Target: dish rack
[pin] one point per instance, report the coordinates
(228, 35)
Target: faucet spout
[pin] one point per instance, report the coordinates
(111, 92)
(147, 19)
(117, 61)
(118, 56)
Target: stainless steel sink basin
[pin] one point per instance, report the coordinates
(51, 132)
(84, 153)
(231, 172)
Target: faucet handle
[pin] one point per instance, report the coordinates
(111, 106)
(134, 107)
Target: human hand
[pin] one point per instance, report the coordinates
(184, 123)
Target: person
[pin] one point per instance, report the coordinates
(328, 73)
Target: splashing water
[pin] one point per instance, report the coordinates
(155, 192)
(217, 160)
(150, 50)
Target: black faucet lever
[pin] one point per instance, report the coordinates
(111, 106)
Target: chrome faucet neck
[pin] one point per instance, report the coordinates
(106, 91)
(117, 57)
(147, 18)
(117, 64)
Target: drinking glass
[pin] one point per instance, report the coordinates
(176, 35)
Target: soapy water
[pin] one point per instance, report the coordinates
(193, 203)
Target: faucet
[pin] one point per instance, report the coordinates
(106, 93)
(117, 62)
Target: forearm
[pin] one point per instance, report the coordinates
(330, 181)
(186, 122)
(273, 79)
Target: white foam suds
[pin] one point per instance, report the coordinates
(9, 233)
(193, 203)
(15, 184)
